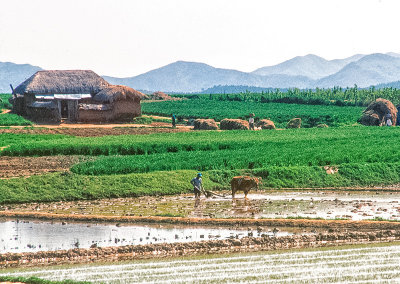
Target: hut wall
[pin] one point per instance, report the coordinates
(18, 105)
(94, 115)
(43, 114)
(126, 109)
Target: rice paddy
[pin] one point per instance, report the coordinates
(359, 264)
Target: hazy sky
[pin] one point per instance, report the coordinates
(127, 38)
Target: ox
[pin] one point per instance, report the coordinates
(244, 183)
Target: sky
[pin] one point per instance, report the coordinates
(125, 38)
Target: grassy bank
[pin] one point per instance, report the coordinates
(70, 186)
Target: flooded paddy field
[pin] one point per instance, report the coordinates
(32, 236)
(349, 264)
(352, 205)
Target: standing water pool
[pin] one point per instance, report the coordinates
(32, 236)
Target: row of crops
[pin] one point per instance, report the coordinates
(356, 143)
(329, 265)
(335, 96)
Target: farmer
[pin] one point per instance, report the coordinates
(388, 118)
(173, 120)
(251, 121)
(197, 185)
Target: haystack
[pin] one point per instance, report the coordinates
(266, 124)
(231, 124)
(205, 124)
(322, 125)
(160, 96)
(375, 113)
(294, 123)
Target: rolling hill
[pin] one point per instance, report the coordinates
(11, 73)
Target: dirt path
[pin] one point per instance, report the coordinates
(89, 130)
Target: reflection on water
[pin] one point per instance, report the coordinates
(30, 236)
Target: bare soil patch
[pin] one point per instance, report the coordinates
(28, 166)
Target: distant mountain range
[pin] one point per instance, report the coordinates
(11, 73)
(308, 71)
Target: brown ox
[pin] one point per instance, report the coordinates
(244, 183)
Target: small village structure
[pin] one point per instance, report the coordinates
(74, 96)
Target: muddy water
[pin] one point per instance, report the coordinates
(272, 204)
(32, 236)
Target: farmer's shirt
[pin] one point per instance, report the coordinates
(196, 182)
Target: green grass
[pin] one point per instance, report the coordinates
(366, 139)
(11, 119)
(280, 113)
(70, 186)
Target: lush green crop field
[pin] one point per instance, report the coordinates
(280, 113)
(316, 146)
(335, 96)
(284, 158)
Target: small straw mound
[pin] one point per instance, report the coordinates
(233, 124)
(294, 123)
(205, 124)
(266, 124)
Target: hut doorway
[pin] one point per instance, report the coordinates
(64, 109)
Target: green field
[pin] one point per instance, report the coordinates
(164, 163)
(157, 164)
(279, 113)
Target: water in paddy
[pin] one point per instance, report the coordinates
(267, 204)
(31, 236)
(359, 264)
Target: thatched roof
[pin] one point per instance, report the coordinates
(62, 82)
(117, 93)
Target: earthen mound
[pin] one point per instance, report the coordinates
(205, 124)
(231, 124)
(294, 123)
(160, 96)
(375, 113)
(266, 124)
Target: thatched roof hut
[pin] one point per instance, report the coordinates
(75, 95)
(62, 82)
